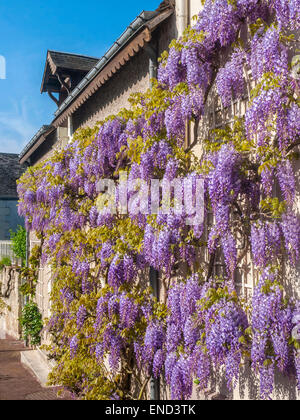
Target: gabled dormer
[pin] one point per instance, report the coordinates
(63, 71)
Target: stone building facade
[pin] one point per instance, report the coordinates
(128, 68)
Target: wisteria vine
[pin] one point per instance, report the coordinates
(109, 334)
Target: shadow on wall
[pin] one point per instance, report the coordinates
(285, 388)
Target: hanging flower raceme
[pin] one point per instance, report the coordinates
(181, 331)
(268, 54)
(224, 327)
(291, 231)
(220, 20)
(271, 328)
(121, 271)
(208, 334)
(266, 243)
(230, 79)
(286, 178)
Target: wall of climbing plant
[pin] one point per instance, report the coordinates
(109, 334)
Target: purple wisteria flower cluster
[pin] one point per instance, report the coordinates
(272, 327)
(104, 314)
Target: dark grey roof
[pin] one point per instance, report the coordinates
(67, 63)
(10, 171)
(43, 130)
(70, 61)
(137, 25)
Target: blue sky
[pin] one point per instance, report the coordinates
(27, 30)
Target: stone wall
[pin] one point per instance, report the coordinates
(113, 95)
(10, 282)
(55, 141)
(133, 77)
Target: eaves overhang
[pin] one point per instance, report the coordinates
(134, 38)
(35, 142)
(129, 44)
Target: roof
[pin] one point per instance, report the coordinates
(133, 39)
(35, 142)
(71, 61)
(64, 62)
(10, 171)
(137, 34)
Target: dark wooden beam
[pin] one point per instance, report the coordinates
(63, 83)
(53, 97)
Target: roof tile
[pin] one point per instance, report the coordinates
(10, 171)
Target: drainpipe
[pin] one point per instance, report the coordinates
(182, 21)
(182, 15)
(70, 128)
(152, 51)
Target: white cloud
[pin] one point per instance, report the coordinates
(16, 128)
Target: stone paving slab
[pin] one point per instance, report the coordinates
(16, 382)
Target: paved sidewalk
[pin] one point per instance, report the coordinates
(16, 382)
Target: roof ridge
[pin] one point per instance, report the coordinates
(74, 54)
